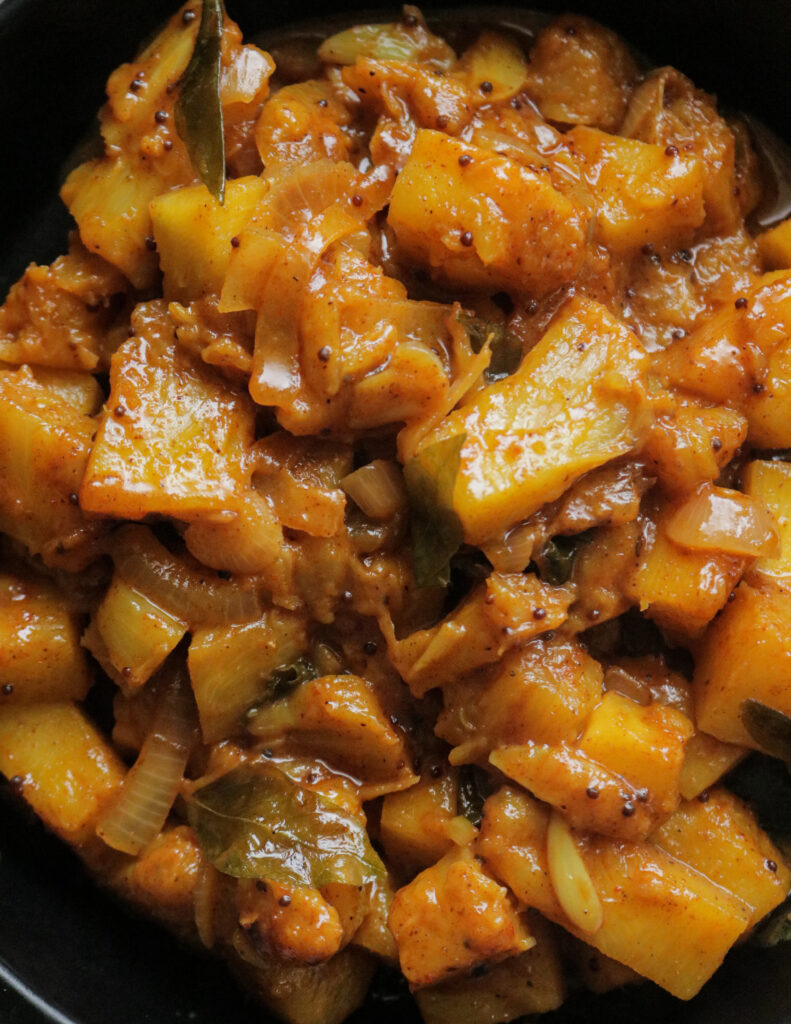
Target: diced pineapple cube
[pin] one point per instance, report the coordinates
(706, 760)
(230, 667)
(774, 246)
(680, 589)
(489, 222)
(745, 654)
(341, 720)
(193, 233)
(174, 435)
(414, 822)
(642, 743)
(67, 770)
(44, 445)
(771, 482)
(720, 838)
(541, 692)
(643, 195)
(589, 795)
(452, 917)
(527, 984)
(496, 59)
(40, 655)
(660, 918)
(138, 635)
(575, 403)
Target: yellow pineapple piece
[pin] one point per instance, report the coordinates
(174, 435)
(642, 194)
(576, 402)
(414, 822)
(452, 917)
(68, 772)
(771, 482)
(706, 760)
(745, 654)
(193, 233)
(774, 246)
(720, 837)
(137, 634)
(40, 655)
(662, 919)
(44, 446)
(530, 983)
(466, 221)
(540, 692)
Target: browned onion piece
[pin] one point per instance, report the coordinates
(378, 489)
(718, 519)
(198, 596)
(149, 789)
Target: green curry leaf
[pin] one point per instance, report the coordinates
(255, 822)
(198, 110)
(474, 787)
(769, 728)
(436, 528)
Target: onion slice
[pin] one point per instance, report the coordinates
(378, 489)
(137, 815)
(718, 519)
(197, 596)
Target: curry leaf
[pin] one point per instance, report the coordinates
(198, 110)
(506, 347)
(769, 728)
(474, 787)
(436, 528)
(255, 822)
(776, 928)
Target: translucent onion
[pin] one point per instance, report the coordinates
(513, 552)
(378, 489)
(136, 817)
(717, 519)
(197, 596)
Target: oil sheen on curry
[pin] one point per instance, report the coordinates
(401, 449)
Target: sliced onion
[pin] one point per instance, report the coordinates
(198, 596)
(513, 552)
(717, 519)
(378, 489)
(136, 817)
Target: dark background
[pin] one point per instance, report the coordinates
(62, 944)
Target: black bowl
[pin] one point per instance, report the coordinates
(68, 953)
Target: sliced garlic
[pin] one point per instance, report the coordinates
(570, 879)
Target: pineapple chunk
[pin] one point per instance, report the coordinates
(44, 445)
(576, 402)
(706, 760)
(771, 482)
(746, 653)
(452, 917)
(496, 59)
(774, 246)
(580, 73)
(82, 391)
(493, 618)
(642, 194)
(467, 221)
(643, 744)
(589, 795)
(719, 837)
(599, 973)
(230, 667)
(193, 233)
(40, 655)
(137, 635)
(681, 590)
(414, 822)
(174, 435)
(540, 692)
(340, 720)
(67, 770)
(661, 918)
(526, 984)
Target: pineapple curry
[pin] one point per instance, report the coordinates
(401, 450)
